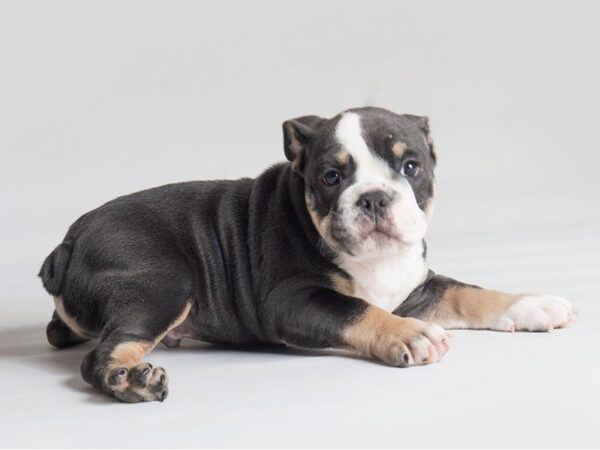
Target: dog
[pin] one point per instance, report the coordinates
(325, 250)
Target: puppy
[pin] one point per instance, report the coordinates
(323, 251)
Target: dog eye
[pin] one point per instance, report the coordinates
(410, 168)
(331, 177)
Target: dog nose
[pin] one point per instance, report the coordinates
(373, 202)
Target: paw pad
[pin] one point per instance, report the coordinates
(141, 383)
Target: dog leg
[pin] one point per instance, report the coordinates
(320, 318)
(115, 366)
(60, 335)
(453, 304)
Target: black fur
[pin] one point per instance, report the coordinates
(54, 268)
(428, 295)
(310, 143)
(245, 254)
(60, 335)
(381, 130)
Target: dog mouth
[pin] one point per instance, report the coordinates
(377, 233)
(377, 228)
(378, 240)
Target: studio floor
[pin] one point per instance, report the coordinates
(491, 390)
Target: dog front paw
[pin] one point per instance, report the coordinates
(536, 312)
(397, 341)
(429, 344)
(413, 342)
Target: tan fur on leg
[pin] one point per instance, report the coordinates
(470, 307)
(396, 340)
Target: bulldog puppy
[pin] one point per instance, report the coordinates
(323, 251)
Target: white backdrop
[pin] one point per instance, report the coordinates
(99, 99)
(102, 99)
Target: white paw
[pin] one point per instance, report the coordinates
(533, 312)
(429, 346)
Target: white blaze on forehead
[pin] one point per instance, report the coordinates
(373, 173)
(369, 167)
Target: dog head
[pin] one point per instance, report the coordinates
(368, 177)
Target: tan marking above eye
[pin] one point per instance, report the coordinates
(342, 157)
(399, 148)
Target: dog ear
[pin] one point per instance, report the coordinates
(423, 123)
(297, 134)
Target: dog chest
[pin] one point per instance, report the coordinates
(387, 281)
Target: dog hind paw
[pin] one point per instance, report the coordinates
(141, 383)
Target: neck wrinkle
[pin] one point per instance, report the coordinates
(297, 198)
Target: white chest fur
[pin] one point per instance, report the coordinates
(387, 281)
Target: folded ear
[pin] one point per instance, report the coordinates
(297, 134)
(423, 123)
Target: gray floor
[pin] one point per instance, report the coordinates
(491, 389)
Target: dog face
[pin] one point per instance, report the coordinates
(368, 176)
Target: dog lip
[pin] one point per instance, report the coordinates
(378, 227)
(378, 232)
(378, 235)
(375, 229)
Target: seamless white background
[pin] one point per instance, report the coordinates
(99, 99)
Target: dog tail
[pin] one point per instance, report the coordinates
(54, 268)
